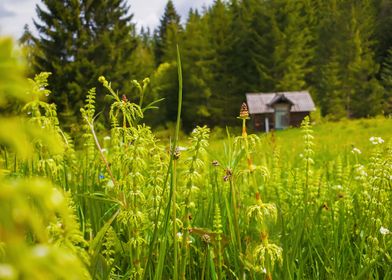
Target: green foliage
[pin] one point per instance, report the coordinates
(306, 204)
(386, 76)
(39, 234)
(167, 34)
(110, 223)
(78, 41)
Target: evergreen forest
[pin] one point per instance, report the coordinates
(339, 50)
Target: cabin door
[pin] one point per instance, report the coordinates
(282, 116)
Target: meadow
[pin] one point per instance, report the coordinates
(306, 203)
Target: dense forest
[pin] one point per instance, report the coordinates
(339, 50)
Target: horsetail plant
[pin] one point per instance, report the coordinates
(199, 141)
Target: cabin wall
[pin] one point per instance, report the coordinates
(297, 117)
(259, 120)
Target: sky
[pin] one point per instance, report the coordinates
(14, 14)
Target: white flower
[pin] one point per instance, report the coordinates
(338, 187)
(104, 150)
(106, 138)
(264, 270)
(180, 148)
(179, 234)
(376, 140)
(356, 151)
(110, 184)
(40, 251)
(384, 231)
(7, 271)
(360, 169)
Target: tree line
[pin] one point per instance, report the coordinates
(339, 50)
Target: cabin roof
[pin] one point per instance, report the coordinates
(259, 103)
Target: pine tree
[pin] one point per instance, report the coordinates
(196, 60)
(383, 30)
(165, 78)
(293, 49)
(333, 103)
(219, 19)
(166, 34)
(386, 78)
(346, 59)
(328, 63)
(363, 91)
(80, 40)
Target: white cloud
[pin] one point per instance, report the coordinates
(148, 13)
(14, 14)
(22, 12)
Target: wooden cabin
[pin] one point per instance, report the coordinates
(279, 110)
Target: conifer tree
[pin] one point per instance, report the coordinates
(166, 34)
(386, 79)
(294, 49)
(328, 81)
(80, 40)
(197, 57)
(363, 91)
(383, 30)
(166, 38)
(219, 19)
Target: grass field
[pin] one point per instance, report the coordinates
(308, 203)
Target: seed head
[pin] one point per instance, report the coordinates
(124, 98)
(206, 238)
(101, 79)
(244, 113)
(228, 175)
(176, 153)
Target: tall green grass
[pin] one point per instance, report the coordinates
(308, 203)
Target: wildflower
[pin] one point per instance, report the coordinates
(384, 231)
(179, 236)
(376, 140)
(7, 272)
(339, 187)
(101, 176)
(104, 151)
(356, 151)
(180, 148)
(106, 138)
(360, 171)
(110, 184)
(41, 251)
(264, 270)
